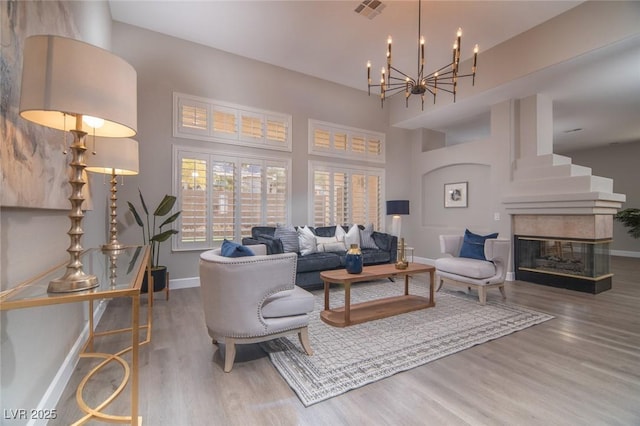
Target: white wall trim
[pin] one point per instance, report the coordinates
(53, 393)
(177, 284)
(624, 253)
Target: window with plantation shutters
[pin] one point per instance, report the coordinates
(321, 139)
(225, 122)
(193, 200)
(334, 140)
(276, 205)
(277, 131)
(345, 194)
(223, 202)
(251, 127)
(222, 122)
(223, 195)
(193, 117)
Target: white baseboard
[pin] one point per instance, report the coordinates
(53, 393)
(179, 283)
(624, 253)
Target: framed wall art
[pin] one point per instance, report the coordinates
(455, 194)
(33, 167)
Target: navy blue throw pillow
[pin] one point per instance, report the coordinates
(231, 249)
(473, 245)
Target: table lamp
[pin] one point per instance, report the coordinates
(115, 157)
(74, 86)
(397, 208)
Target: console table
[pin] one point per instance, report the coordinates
(120, 274)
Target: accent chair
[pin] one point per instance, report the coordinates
(252, 299)
(477, 273)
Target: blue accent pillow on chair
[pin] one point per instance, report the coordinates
(473, 245)
(231, 249)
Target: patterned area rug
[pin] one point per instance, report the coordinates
(351, 357)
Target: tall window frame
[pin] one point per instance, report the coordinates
(223, 194)
(345, 194)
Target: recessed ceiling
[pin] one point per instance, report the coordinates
(329, 40)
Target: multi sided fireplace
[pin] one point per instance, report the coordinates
(566, 251)
(582, 265)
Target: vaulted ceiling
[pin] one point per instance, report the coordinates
(598, 92)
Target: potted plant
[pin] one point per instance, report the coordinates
(148, 226)
(631, 219)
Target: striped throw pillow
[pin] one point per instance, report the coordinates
(366, 237)
(289, 237)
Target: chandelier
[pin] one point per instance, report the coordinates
(445, 78)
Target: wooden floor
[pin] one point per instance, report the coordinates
(581, 368)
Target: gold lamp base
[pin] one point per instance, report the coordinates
(75, 279)
(72, 282)
(402, 262)
(111, 246)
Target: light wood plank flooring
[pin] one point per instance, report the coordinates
(581, 368)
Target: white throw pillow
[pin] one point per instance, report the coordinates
(329, 244)
(353, 236)
(306, 240)
(340, 237)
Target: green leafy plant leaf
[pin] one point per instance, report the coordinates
(136, 216)
(631, 219)
(155, 235)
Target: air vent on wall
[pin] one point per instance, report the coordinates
(370, 8)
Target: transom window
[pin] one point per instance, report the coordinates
(222, 122)
(334, 140)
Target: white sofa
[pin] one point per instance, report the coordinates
(252, 299)
(473, 273)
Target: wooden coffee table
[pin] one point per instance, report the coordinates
(379, 308)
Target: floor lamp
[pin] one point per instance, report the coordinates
(115, 157)
(74, 86)
(397, 208)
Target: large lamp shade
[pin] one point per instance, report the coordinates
(397, 208)
(117, 156)
(63, 76)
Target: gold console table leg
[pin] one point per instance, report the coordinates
(131, 374)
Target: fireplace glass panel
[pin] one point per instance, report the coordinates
(588, 259)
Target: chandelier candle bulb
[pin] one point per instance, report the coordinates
(389, 50)
(475, 62)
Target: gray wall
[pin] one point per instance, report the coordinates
(166, 65)
(619, 162)
(484, 164)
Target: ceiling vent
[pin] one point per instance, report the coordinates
(370, 8)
